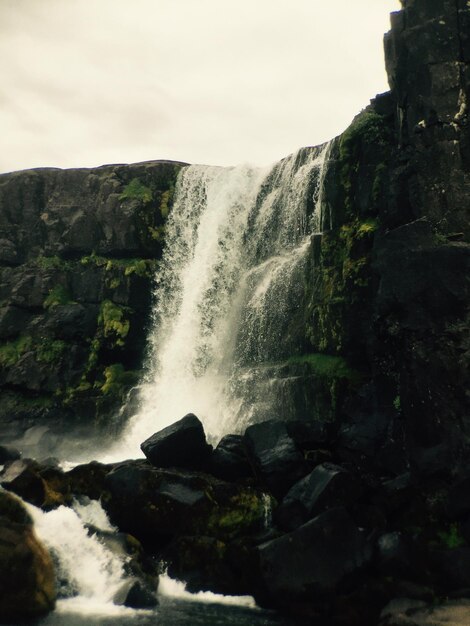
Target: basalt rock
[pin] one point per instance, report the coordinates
(313, 560)
(183, 444)
(328, 486)
(157, 505)
(78, 250)
(274, 455)
(27, 582)
(229, 461)
(43, 484)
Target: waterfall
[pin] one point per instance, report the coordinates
(236, 244)
(89, 574)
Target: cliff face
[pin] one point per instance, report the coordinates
(77, 256)
(382, 325)
(423, 256)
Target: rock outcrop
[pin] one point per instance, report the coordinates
(27, 582)
(78, 251)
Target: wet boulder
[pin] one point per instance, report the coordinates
(41, 484)
(183, 444)
(274, 455)
(9, 453)
(229, 461)
(156, 505)
(27, 583)
(311, 561)
(328, 486)
(88, 479)
(207, 564)
(136, 594)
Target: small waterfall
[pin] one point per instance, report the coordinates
(236, 243)
(89, 574)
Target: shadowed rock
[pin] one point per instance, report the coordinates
(183, 444)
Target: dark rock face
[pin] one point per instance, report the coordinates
(27, 583)
(274, 455)
(155, 505)
(326, 487)
(77, 258)
(182, 444)
(229, 460)
(313, 559)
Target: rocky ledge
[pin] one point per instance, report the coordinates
(284, 513)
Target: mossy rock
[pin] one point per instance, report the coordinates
(27, 580)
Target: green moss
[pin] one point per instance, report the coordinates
(114, 321)
(58, 295)
(118, 380)
(451, 537)
(140, 267)
(244, 512)
(326, 365)
(136, 190)
(50, 351)
(166, 201)
(53, 263)
(367, 129)
(12, 351)
(397, 403)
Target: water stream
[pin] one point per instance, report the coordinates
(236, 242)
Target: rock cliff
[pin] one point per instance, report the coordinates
(78, 251)
(381, 333)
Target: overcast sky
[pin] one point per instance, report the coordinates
(87, 82)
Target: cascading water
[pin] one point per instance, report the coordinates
(236, 243)
(89, 574)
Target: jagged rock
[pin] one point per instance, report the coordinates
(328, 486)
(136, 595)
(311, 435)
(183, 444)
(88, 479)
(9, 453)
(398, 556)
(451, 568)
(27, 583)
(274, 456)
(312, 560)
(207, 564)
(229, 461)
(156, 505)
(44, 485)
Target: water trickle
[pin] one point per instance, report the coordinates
(89, 575)
(236, 243)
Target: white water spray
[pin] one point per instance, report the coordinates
(235, 242)
(90, 575)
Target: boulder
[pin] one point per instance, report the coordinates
(156, 505)
(275, 457)
(229, 461)
(136, 594)
(183, 444)
(313, 560)
(88, 479)
(27, 583)
(311, 435)
(44, 485)
(207, 564)
(9, 453)
(328, 486)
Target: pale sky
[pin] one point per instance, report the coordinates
(220, 82)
